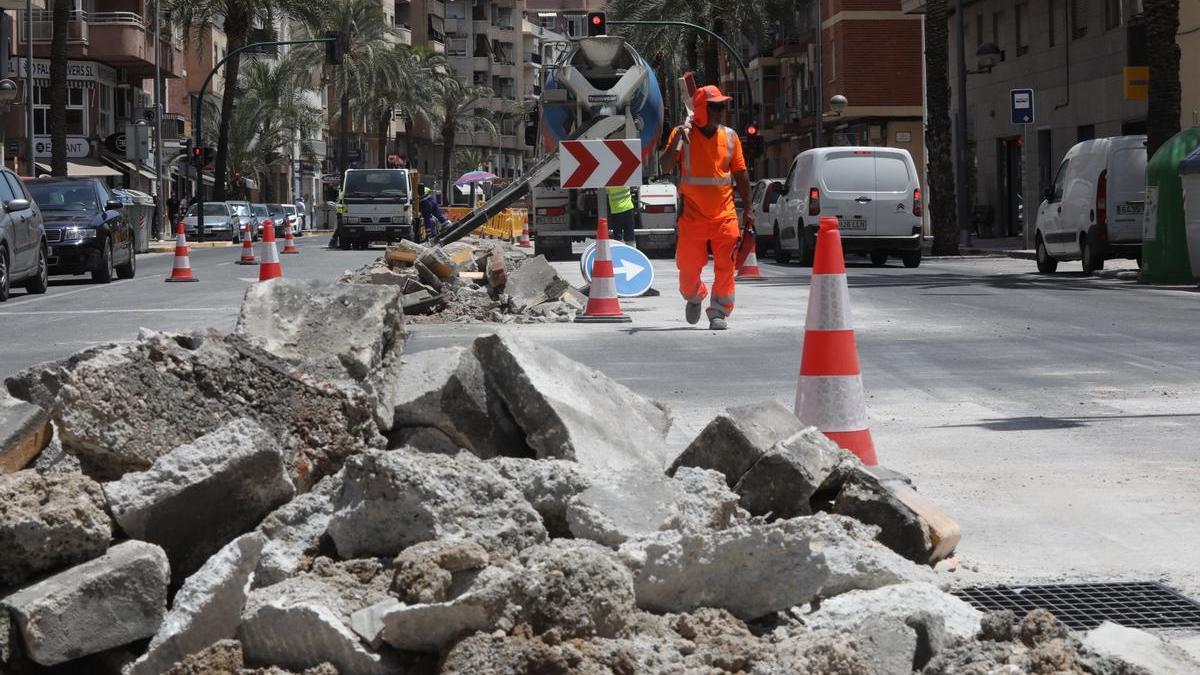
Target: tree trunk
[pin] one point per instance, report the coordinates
(447, 158)
(1162, 53)
(343, 141)
(385, 120)
(237, 26)
(58, 88)
(938, 130)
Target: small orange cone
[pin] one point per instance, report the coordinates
(748, 267)
(603, 305)
(829, 394)
(269, 268)
(524, 242)
(289, 244)
(182, 269)
(247, 248)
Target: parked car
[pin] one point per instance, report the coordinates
(763, 195)
(874, 192)
(220, 222)
(279, 217)
(261, 215)
(86, 228)
(293, 218)
(1094, 210)
(658, 210)
(24, 257)
(245, 219)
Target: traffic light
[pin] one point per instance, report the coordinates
(597, 24)
(335, 48)
(197, 155)
(754, 140)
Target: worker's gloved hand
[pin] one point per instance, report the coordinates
(686, 127)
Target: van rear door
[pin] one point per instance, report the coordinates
(1126, 193)
(847, 184)
(895, 181)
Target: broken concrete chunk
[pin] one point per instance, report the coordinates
(737, 438)
(575, 587)
(295, 529)
(187, 386)
(206, 609)
(392, 500)
(535, 282)
(48, 522)
(752, 570)
(548, 484)
(439, 262)
(196, 498)
(897, 603)
(103, 603)
(909, 524)
(786, 478)
(425, 572)
(620, 507)
(444, 391)
(335, 330)
(24, 432)
(1140, 649)
(570, 411)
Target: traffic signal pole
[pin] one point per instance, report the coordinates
(199, 116)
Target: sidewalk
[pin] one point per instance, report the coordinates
(1011, 247)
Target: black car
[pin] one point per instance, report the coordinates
(86, 228)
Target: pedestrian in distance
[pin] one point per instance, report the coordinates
(621, 215)
(711, 165)
(302, 213)
(431, 214)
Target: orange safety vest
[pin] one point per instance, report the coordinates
(706, 177)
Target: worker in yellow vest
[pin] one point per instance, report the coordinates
(621, 215)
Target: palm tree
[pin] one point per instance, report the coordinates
(240, 16)
(458, 111)
(1162, 53)
(938, 131)
(58, 88)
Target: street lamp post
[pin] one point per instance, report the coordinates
(8, 94)
(29, 86)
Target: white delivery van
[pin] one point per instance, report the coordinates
(658, 209)
(875, 193)
(376, 205)
(1093, 212)
(763, 195)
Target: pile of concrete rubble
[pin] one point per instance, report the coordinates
(302, 496)
(473, 281)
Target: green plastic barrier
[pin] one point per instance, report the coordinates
(1164, 236)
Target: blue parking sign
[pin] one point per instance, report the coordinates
(1021, 101)
(631, 268)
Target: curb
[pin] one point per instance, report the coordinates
(170, 248)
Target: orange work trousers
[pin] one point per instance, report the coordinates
(691, 255)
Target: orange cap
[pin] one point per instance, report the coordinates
(700, 101)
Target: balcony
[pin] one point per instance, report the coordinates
(43, 28)
(118, 39)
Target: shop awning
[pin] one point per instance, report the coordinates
(83, 166)
(127, 167)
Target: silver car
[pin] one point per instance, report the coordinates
(23, 255)
(219, 222)
(245, 219)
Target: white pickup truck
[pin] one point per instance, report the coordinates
(376, 205)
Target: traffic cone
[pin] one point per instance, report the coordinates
(524, 243)
(829, 394)
(603, 305)
(289, 244)
(247, 248)
(269, 268)
(182, 269)
(748, 269)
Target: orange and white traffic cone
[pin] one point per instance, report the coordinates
(524, 243)
(289, 244)
(830, 395)
(269, 268)
(247, 248)
(182, 269)
(603, 305)
(748, 269)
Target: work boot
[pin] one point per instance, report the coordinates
(692, 313)
(717, 323)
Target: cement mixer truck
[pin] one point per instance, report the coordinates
(599, 87)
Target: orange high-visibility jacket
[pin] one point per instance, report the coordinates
(706, 171)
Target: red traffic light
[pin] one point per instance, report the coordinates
(752, 130)
(597, 24)
(197, 151)
(596, 20)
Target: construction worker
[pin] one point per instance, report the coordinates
(621, 215)
(431, 213)
(710, 165)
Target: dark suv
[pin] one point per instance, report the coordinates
(86, 228)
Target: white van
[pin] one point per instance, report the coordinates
(1093, 212)
(875, 193)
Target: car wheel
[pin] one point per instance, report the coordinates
(40, 281)
(344, 243)
(782, 256)
(129, 269)
(1091, 262)
(879, 258)
(3, 273)
(104, 273)
(1046, 263)
(911, 259)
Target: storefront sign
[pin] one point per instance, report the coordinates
(78, 71)
(77, 147)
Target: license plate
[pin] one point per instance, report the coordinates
(853, 224)
(376, 228)
(1130, 209)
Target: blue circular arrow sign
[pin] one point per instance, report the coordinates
(631, 268)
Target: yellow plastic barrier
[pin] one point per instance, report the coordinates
(508, 224)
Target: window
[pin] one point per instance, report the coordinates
(891, 174)
(1112, 14)
(833, 60)
(6, 191)
(1021, 30)
(1050, 23)
(1078, 18)
(997, 19)
(846, 173)
(1085, 132)
(105, 123)
(978, 29)
(76, 111)
(1059, 181)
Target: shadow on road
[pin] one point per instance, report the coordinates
(1039, 423)
(1071, 282)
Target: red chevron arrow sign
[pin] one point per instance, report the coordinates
(594, 164)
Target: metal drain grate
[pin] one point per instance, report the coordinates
(1136, 604)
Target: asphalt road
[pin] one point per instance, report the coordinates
(1056, 418)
